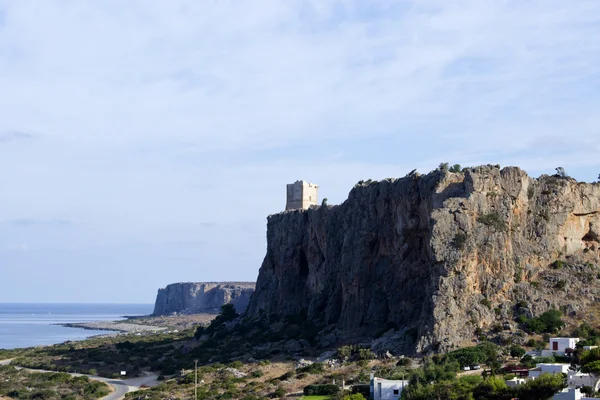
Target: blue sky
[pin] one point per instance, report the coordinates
(145, 142)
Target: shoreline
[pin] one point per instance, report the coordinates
(114, 326)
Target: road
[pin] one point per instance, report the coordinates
(121, 387)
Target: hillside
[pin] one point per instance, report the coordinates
(433, 258)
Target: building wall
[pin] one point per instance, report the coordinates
(310, 194)
(514, 382)
(568, 394)
(578, 379)
(384, 389)
(563, 343)
(549, 369)
(301, 195)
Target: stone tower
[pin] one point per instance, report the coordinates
(301, 194)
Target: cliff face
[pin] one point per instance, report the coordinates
(202, 297)
(435, 256)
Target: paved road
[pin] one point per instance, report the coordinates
(121, 387)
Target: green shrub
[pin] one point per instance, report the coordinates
(482, 353)
(257, 374)
(286, 376)
(493, 220)
(517, 351)
(459, 241)
(365, 354)
(558, 264)
(344, 352)
(314, 368)
(456, 168)
(486, 303)
(321, 390)
(548, 322)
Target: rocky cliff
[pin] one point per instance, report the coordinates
(428, 259)
(202, 297)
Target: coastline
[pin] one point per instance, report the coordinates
(114, 326)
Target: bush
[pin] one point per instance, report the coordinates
(486, 303)
(344, 353)
(314, 368)
(257, 374)
(286, 376)
(459, 241)
(517, 351)
(404, 362)
(456, 168)
(199, 332)
(493, 220)
(548, 322)
(355, 396)
(558, 264)
(365, 354)
(482, 353)
(321, 390)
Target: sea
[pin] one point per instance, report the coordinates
(30, 324)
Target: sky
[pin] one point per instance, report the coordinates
(145, 142)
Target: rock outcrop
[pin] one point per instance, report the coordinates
(202, 297)
(425, 260)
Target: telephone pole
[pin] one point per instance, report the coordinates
(195, 379)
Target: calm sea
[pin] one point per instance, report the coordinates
(26, 325)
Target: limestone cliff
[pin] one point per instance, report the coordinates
(202, 297)
(433, 257)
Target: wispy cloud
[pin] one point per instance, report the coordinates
(14, 136)
(32, 222)
(187, 111)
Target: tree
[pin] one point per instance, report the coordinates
(517, 351)
(541, 388)
(344, 353)
(199, 332)
(592, 368)
(560, 171)
(228, 312)
(456, 168)
(444, 166)
(324, 202)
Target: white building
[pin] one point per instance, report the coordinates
(577, 380)
(570, 394)
(514, 382)
(559, 345)
(383, 389)
(589, 347)
(548, 369)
